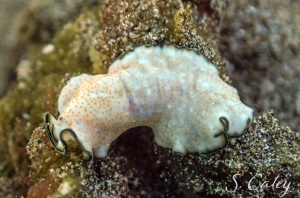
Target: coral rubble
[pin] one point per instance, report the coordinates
(136, 167)
(261, 39)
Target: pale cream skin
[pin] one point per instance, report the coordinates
(176, 92)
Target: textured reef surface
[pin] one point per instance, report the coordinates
(253, 43)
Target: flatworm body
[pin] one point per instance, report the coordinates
(176, 92)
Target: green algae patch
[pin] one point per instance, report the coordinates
(51, 173)
(29, 98)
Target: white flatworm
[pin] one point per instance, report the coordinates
(176, 92)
